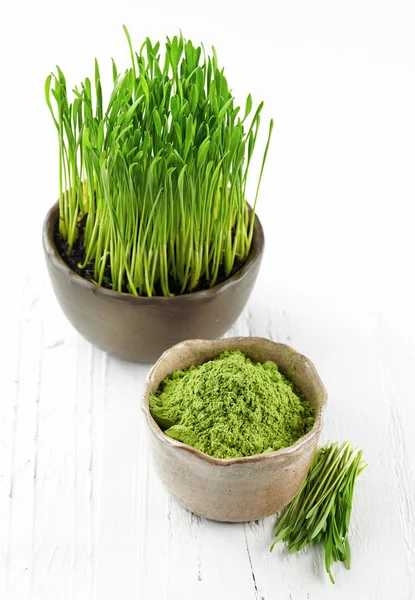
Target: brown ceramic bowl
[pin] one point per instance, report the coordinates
(140, 329)
(235, 489)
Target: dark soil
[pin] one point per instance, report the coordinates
(78, 255)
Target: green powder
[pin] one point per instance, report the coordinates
(231, 406)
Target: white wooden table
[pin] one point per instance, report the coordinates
(82, 513)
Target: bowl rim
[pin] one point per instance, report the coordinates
(55, 258)
(224, 462)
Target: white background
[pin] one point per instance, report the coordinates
(82, 514)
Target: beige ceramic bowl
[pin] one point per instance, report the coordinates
(235, 489)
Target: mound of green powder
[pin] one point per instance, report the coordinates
(231, 406)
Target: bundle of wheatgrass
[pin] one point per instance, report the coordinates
(321, 510)
(153, 183)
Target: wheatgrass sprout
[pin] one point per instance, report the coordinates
(153, 183)
(321, 511)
